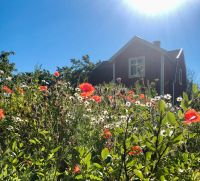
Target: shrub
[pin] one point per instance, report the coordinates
(56, 132)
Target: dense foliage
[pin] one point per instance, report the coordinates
(53, 131)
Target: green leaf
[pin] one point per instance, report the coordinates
(150, 146)
(148, 155)
(185, 97)
(195, 89)
(131, 163)
(171, 119)
(32, 141)
(178, 137)
(138, 173)
(79, 177)
(184, 105)
(93, 177)
(162, 178)
(104, 153)
(41, 174)
(14, 146)
(50, 156)
(55, 149)
(81, 151)
(87, 159)
(185, 157)
(20, 154)
(15, 161)
(97, 165)
(180, 114)
(162, 106)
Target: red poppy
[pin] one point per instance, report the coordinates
(7, 89)
(141, 96)
(43, 88)
(107, 133)
(76, 169)
(96, 98)
(2, 116)
(86, 87)
(191, 116)
(57, 74)
(136, 150)
(87, 94)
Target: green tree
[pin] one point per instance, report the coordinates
(5, 64)
(78, 71)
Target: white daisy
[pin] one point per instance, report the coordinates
(167, 96)
(137, 103)
(157, 98)
(179, 99)
(128, 104)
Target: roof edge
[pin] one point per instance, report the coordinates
(121, 50)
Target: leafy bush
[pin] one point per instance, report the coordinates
(57, 132)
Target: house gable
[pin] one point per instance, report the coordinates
(134, 50)
(142, 41)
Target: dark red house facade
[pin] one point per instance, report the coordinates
(142, 59)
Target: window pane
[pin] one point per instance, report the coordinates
(133, 70)
(140, 61)
(133, 62)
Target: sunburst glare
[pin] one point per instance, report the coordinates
(154, 7)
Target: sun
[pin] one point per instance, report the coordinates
(154, 7)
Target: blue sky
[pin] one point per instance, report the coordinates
(51, 32)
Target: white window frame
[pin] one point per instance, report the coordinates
(136, 59)
(180, 76)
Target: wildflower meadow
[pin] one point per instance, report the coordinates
(53, 130)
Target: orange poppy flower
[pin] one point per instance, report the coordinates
(191, 116)
(87, 94)
(141, 96)
(87, 89)
(57, 74)
(2, 116)
(7, 89)
(96, 98)
(136, 150)
(76, 169)
(43, 88)
(107, 133)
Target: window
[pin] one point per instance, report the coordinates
(180, 76)
(137, 67)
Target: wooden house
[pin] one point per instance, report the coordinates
(142, 59)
